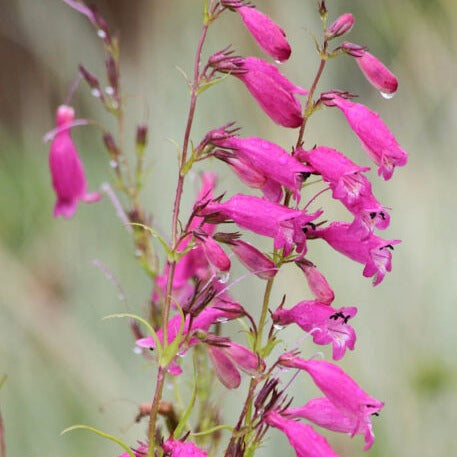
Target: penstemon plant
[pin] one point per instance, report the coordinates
(190, 293)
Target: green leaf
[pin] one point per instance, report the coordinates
(155, 234)
(102, 434)
(211, 83)
(145, 323)
(213, 429)
(171, 350)
(266, 350)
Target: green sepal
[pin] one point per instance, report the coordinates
(213, 82)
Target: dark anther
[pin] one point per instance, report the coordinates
(375, 414)
(389, 246)
(373, 214)
(305, 175)
(337, 315)
(345, 318)
(383, 216)
(310, 224)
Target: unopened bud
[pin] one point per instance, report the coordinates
(89, 77)
(112, 72)
(141, 135)
(254, 260)
(110, 145)
(354, 50)
(316, 282)
(341, 26)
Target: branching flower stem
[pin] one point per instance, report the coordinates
(161, 374)
(308, 111)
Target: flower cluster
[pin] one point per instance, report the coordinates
(191, 293)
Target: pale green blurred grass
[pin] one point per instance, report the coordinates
(64, 363)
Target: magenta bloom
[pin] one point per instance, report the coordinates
(254, 260)
(253, 178)
(317, 282)
(68, 178)
(350, 186)
(269, 159)
(326, 324)
(176, 448)
(269, 36)
(266, 218)
(272, 90)
(322, 412)
(374, 252)
(215, 254)
(341, 26)
(305, 441)
(379, 76)
(377, 140)
(340, 389)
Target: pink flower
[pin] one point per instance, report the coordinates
(341, 26)
(252, 177)
(326, 324)
(374, 252)
(67, 170)
(254, 260)
(377, 140)
(266, 218)
(350, 186)
(305, 441)
(272, 90)
(322, 412)
(269, 36)
(340, 389)
(176, 448)
(269, 159)
(316, 282)
(379, 76)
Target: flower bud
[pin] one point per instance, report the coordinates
(215, 254)
(341, 26)
(316, 282)
(254, 260)
(141, 135)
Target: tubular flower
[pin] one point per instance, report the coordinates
(271, 89)
(266, 218)
(305, 441)
(248, 174)
(68, 178)
(322, 412)
(316, 282)
(350, 186)
(176, 448)
(377, 140)
(374, 252)
(326, 324)
(269, 36)
(377, 74)
(340, 389)
(270, 160)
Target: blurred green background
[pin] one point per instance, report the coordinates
(66, 366)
